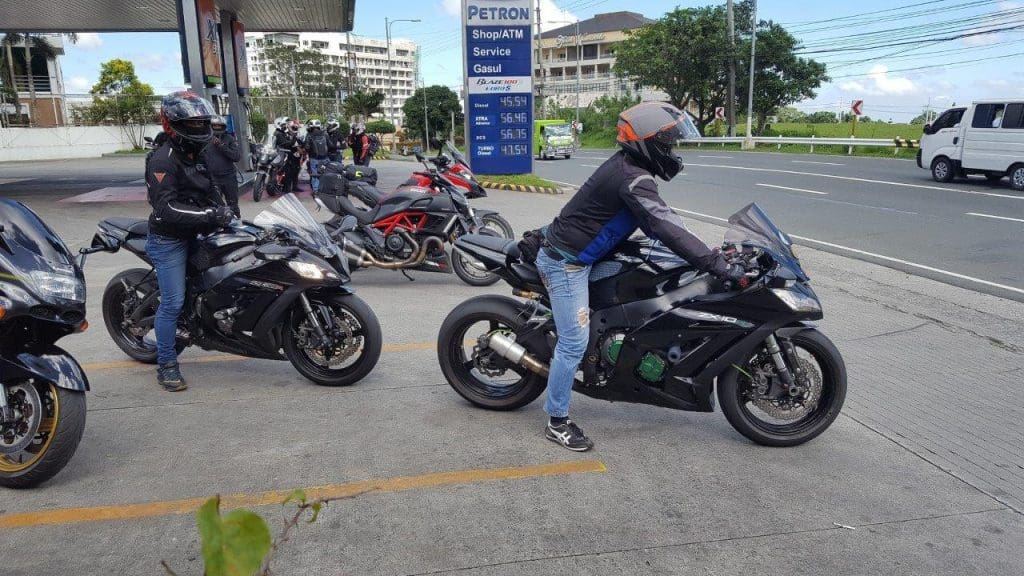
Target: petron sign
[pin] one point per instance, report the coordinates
(498, 60)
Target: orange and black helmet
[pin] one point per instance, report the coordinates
(648, 131)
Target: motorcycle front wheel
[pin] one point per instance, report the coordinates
(478, 374)
(786, 419)
(469, 270)
(353, 340)
(56, 417)
(258, 185)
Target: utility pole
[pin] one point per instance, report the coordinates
(426, 125)
(750, 89)
(579, 47)
(730, 103)
(540, 66)
(295, 89)
(389, 96)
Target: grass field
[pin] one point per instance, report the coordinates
(864, 130)
(520, 179)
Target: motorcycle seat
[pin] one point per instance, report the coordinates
(494, 244)
(133, 226)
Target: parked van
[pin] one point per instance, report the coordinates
(553, 138)
(986, 138)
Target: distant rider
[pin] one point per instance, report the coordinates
(220, 156)
(335, 140)
(318, 148)
(185, 204)
(619, 197)
(359, 142)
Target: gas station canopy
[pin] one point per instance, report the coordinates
(160, 15)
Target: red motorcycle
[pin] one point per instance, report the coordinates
(409, 228)
(452, 164)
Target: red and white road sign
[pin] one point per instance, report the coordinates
(855, 107)
(720, 113)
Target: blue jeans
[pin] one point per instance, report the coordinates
(314, 173)
(569, 288)
(169, 256)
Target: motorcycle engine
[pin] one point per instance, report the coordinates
(395, 243)
(611, 346)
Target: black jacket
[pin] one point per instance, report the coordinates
(617, 199)
(181, 194)
(285, 140)
(310, 144)
(335, 141)
(221, 154)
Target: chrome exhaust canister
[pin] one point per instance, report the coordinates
(509, 350)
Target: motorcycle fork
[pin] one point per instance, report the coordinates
(311, 314)
(6, 413)
(775, 351)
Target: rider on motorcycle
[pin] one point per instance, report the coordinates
(185, 203)
(619, 197)
(286, 140)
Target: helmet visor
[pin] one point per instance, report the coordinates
(180, 106)
(687, 128)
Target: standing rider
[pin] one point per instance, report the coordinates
(620, 196)
(283, 142)
(359, 142)
(185, 203)
(220, 157)
(318, 147)
(335, 140)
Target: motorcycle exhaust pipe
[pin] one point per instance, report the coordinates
(419, 254)
(509, 350)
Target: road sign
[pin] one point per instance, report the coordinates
(720, 113)
(855, 107)
(498, 59)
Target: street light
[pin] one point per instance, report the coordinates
(390, 95)
(579, 47)
(929, 116)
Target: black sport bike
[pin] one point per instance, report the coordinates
(272, 288)
(42, 387)
(662, 333)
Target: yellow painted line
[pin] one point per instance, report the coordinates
(119, 364)
(398, 484)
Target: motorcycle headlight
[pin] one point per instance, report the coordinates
(59, 285)
(310, 270)
(797, 301)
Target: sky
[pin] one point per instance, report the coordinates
(894, 83)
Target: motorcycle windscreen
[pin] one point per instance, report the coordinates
(752, 226)
(287, 212)
(455, 154)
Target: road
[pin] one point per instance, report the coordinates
(921, 474)
(887, 211)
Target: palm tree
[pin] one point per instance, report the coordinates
(42, 47)
(363, 104)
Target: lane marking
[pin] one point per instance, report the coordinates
(118, 364)
(794, 189)
(993, 216)
(814, 162)
(590, 165)
(851, 178)
(272, 497)
(879, 256)
(716, 157)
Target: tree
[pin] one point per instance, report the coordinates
(363, 104)
(121, 98)
(781, 77)
(380, 127)
(441, 103)
(822, 117)
(921, 118)
(300, 73)
(789, 114)
(684, 54)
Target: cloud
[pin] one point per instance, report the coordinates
(886, 84)
(982, 39)
(853, 87)
(452, 7)
(79, 84)
(153, 62)
(89, 41)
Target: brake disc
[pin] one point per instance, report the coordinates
(795, 407)
(17, 435)
(345, 343)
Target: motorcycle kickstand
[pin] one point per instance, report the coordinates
(406, 274)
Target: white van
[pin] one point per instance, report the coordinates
(986, 138)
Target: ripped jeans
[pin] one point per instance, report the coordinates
(569, 288)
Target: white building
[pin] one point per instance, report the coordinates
(43, 79)
(397, 79)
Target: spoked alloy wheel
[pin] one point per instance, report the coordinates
(477, 373)
(135, 338)
(41, 441)
(469, 270)
(353, 341)
(758, 407)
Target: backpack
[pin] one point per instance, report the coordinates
(374, 143)
(318, 141)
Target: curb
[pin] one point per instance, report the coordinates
(521, 188)
(123, 154)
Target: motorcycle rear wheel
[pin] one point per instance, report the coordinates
(365, 337)
(141, 348)
(741, 411)
(61, 428)
(463, 372)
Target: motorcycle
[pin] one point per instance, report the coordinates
(453, 165)
(273, 288)
(408, 228)
(270, 173)
(662, 333)
(42, 387)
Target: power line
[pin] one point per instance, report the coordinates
(929, 67)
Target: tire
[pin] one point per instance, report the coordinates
(66, 432)
(731, 395)
(469, 273)
(1017, 177)
(368, 352)
(139, 348)
(499, 311)
(994, 176)
(496, 223)
(567, 156)
(943, 169)
(258, 186)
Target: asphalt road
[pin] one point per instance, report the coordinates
(922, 474)
(887, 211)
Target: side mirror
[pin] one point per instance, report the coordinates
(148, 139)
(418, 155)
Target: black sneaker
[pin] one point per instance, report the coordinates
(169, 376)
(568, 435)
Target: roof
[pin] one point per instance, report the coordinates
(607, 22)
(160, 15)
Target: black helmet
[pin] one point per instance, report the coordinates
(186, 119)
(648, 131)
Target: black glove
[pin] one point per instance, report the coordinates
(734, 272)
(222, 216)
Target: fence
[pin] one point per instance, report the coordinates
(52, 109)
(850, 143)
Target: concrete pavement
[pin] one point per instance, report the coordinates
(924, 465)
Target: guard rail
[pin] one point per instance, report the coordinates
(811, 141)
